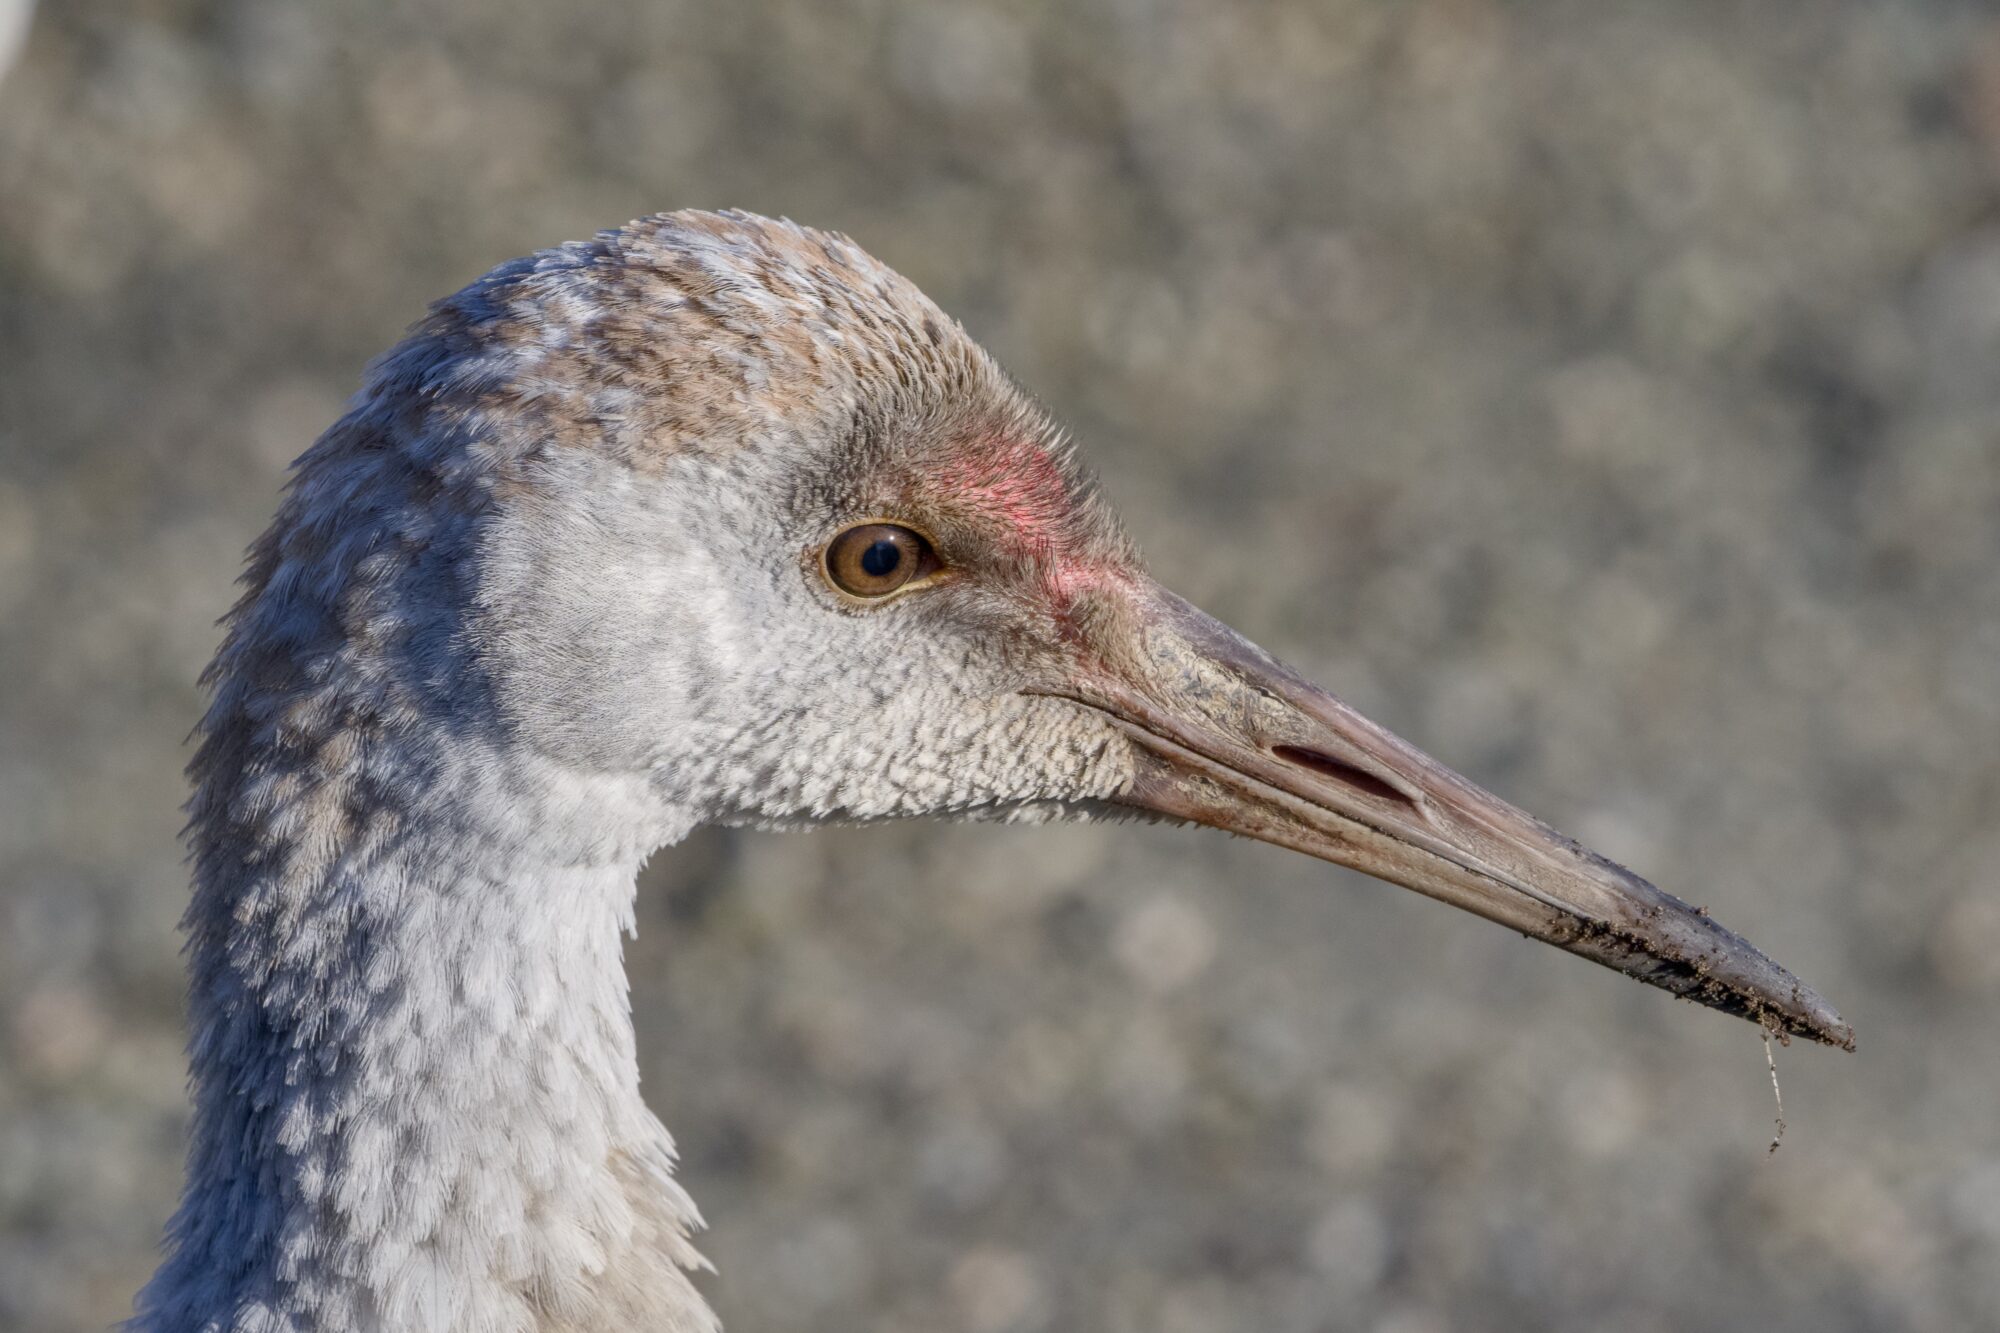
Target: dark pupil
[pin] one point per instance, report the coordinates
(881, 559)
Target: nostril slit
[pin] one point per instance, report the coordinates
(1341, 771)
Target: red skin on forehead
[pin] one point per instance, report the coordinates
(1018, 486)
(1019, 493)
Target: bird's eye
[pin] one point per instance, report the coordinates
(875, 559)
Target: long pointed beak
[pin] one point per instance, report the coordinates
(1229, 737)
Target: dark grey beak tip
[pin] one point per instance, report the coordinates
(1821, 1023)
(1741, 979)
(1801, 1013)
(1656, 937)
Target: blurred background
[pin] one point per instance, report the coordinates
(1604, 396)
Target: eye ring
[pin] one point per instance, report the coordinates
(869, 561)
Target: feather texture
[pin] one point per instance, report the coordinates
(535, 606)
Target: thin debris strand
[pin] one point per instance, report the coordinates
(1771, 1062)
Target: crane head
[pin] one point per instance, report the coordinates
(762, 523)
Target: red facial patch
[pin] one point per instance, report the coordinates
(1020, 488)
(1020, 496)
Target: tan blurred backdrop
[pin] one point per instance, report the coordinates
(1606, 396)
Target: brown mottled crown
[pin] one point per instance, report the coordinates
(696, 331)
(688, 327)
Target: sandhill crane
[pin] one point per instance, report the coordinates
(712, 519)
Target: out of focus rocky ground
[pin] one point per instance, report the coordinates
(1607, 396)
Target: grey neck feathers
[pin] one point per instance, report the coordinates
(416, 1098)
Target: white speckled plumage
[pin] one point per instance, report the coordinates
(532, 609)
(548, 596)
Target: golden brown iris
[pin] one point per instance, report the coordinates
(875, 559)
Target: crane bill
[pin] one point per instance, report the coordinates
(1226, 736)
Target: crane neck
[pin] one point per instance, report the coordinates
(416, 1092)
